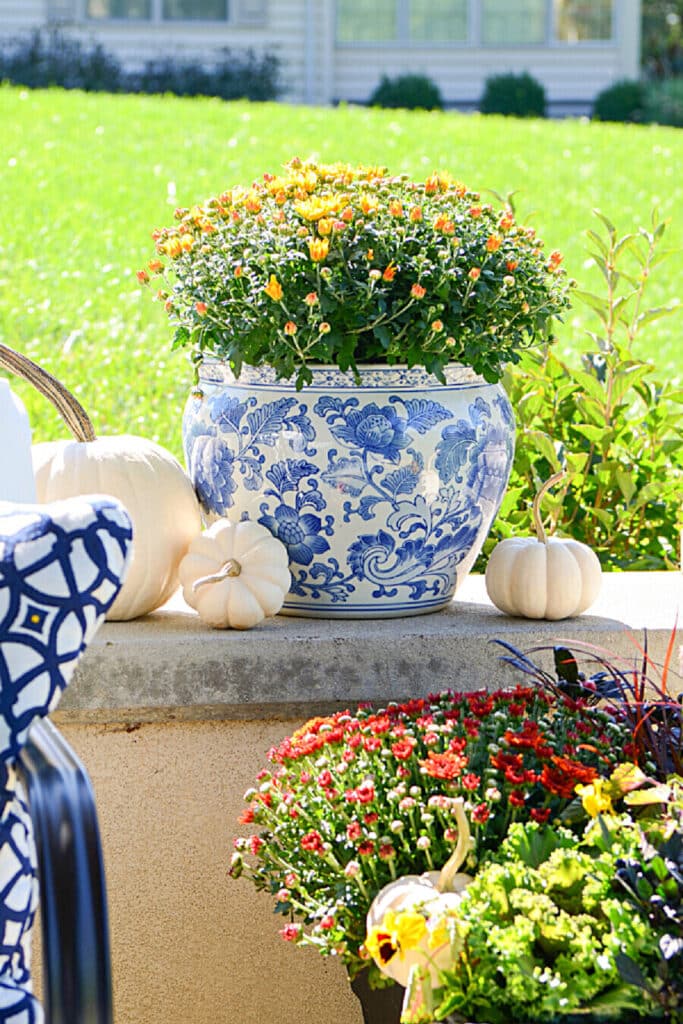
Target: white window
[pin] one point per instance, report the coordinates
(119, 9)
(438, 21)
(498, 23)
(513, 22)
(402, 21)
(242, 11)
(580, 20)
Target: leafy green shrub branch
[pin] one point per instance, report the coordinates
(611, 424)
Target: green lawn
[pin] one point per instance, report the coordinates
(84, 179)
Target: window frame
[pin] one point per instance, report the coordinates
(474, 33)
(234, 17)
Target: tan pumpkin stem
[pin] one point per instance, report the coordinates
(231, 568)
(66, 404)
(462, 848)
(536, 508)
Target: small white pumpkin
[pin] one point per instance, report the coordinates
(235, 574)
(434, 893)
(540, 577)
(146, 479)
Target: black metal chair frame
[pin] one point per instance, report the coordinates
(73, 902)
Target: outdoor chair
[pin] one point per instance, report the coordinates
(61, 566)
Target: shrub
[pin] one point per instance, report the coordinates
(623, 101)
(231, 76)
(611, 424)
(411, 92)
(48, 57)
(664, 102)
(51, 58)
(515, 95)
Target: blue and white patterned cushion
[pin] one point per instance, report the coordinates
(61, 566)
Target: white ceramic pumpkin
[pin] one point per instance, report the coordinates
(540, 577)
(146, 479)
(235, 574)
(435, 893)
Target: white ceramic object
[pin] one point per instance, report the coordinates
(16, 468)
(382, 492)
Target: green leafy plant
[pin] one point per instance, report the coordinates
(410, 92)
(343, 265)
(664, 102)
(543, 929)
(512, 94)
(611, 423)
(623, 101)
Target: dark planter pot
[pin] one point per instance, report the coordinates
(379, 1005)
(383, 1006)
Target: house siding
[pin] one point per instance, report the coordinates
(317, 70)
(568, 77)
(19, 16)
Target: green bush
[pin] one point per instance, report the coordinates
(623, 101)
(612, 425)
(52, 58)
(515, 95)
(230, 76)
(664, 102)
(411, 92)
(48, 57)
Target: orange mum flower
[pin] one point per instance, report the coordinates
(290, 327)
(201, 308)
(417, 291)
(443, 766)
(318, 249)
(493, 243)
(389, 273)
(274, 289)
(474, 274)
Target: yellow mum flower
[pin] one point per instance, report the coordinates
(318, 249)
(317, 207)
(274, 289)
(595, 801)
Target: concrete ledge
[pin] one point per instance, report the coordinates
(170, 666)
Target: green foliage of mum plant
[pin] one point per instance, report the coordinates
(611, 423)
(341, 265)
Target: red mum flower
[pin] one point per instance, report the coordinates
(539, 814)
(313, 842)
(366, 848)
(481, 813)
(443, 766)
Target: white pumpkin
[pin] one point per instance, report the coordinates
(146, 479)
(434, 893)
(235, 574)
(540, 577)
(156, 493)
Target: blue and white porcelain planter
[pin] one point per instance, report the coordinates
(382, 492)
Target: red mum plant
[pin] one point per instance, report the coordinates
(354, 800)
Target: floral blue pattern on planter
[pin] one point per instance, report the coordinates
(382, 493)
(61, 566)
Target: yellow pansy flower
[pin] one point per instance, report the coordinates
(595, 801)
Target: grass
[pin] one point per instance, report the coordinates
(84, 179)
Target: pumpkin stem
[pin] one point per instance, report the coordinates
(231, 568)
(66, 404)
(462, 848)
(536, 508)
